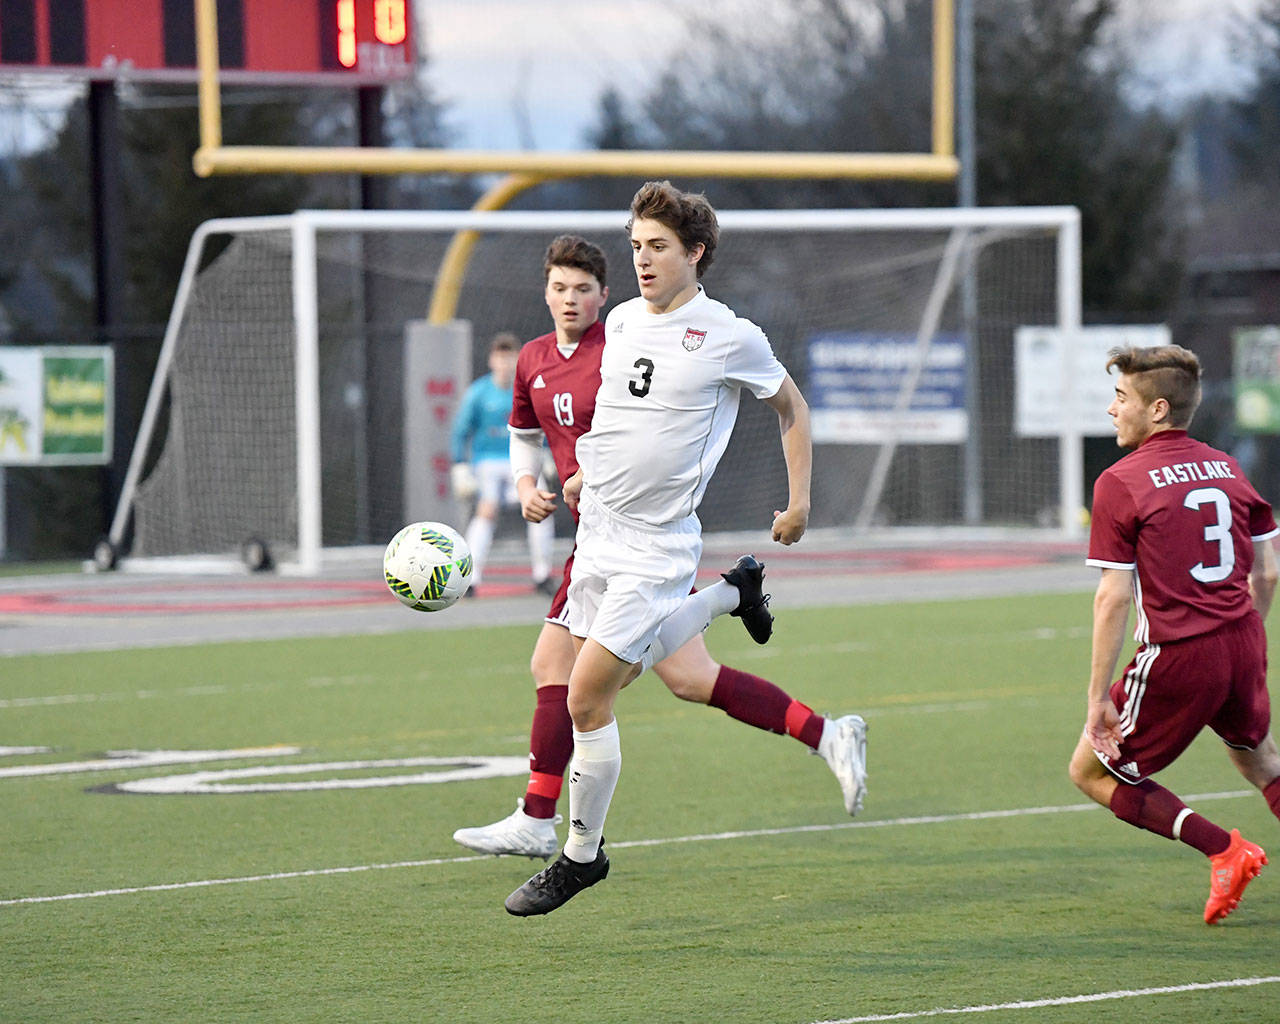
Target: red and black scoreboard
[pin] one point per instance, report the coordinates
(361, 41)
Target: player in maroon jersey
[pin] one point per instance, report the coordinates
(1180, 532)
(557, 377)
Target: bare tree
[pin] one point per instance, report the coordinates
(1053, 124)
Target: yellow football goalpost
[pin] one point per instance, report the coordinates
(527, 169)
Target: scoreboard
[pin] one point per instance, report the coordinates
(286, 41)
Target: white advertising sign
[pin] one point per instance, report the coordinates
(1061, 381)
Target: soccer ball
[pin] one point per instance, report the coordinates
(428, 566)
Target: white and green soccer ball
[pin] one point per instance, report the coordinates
(428, 566)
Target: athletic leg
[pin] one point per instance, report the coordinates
(738, 593)
(541, 537)
(530, 830)
(551, 732)
(692, 674)
(597, 678)
(1233, 860)
(689, 621)
(479, 536)
(1261, 766)
(1144, 804)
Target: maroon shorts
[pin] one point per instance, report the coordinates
(1171, 691)
(556, 614)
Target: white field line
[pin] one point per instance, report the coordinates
(119, 759)
(1036, 1004)
(929, 819)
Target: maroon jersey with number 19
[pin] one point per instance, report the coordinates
(1184, 517)
(556, 393)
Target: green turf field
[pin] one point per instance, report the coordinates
(924, 902)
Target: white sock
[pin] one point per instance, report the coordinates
(541, 536)
(828, 735)
(593, 774)
(690, 619)
(479, 539)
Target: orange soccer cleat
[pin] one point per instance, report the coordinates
(1229, 872)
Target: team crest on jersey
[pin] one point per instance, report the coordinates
(693, 340)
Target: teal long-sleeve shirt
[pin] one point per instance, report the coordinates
(480, 427)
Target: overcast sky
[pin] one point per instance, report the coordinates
(517, 72)
(511, 69)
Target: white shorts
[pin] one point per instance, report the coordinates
(628, 577)
(493, 478)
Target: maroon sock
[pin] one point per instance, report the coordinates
(1154, 808)
(759, 702)
(550, 746)
(1272, 793)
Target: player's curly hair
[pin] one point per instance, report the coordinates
(575, 251)
(1170, 372)
(688, 214)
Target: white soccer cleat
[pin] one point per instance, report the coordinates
(517, 835)
(844, 747)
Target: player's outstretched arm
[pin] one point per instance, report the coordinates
(1110, 617)
(797, 449)
(1263, 576)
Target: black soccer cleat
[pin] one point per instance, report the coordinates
(556, 884)
(747, 575)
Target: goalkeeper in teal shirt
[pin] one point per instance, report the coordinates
(480, 445)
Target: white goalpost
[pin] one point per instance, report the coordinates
(300, 404)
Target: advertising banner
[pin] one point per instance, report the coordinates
(1061, 379)
(1256, 375)
(859, 384)
(56, 405)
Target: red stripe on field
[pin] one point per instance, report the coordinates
(268, 593)
(152, 599)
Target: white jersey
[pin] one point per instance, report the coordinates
(668, 398)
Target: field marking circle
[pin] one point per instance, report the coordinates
(443, 769)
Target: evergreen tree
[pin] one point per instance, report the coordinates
(1053, 127)
(1256, 145)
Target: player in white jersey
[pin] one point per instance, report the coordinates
(674, 364)
(706, 354)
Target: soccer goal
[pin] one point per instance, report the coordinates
(300, 403)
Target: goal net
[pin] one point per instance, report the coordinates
(279, 413)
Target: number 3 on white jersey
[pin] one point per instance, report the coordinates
(563, 403)
(1219, 532)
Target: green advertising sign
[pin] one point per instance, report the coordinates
(1256, 372)
(56, 405)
